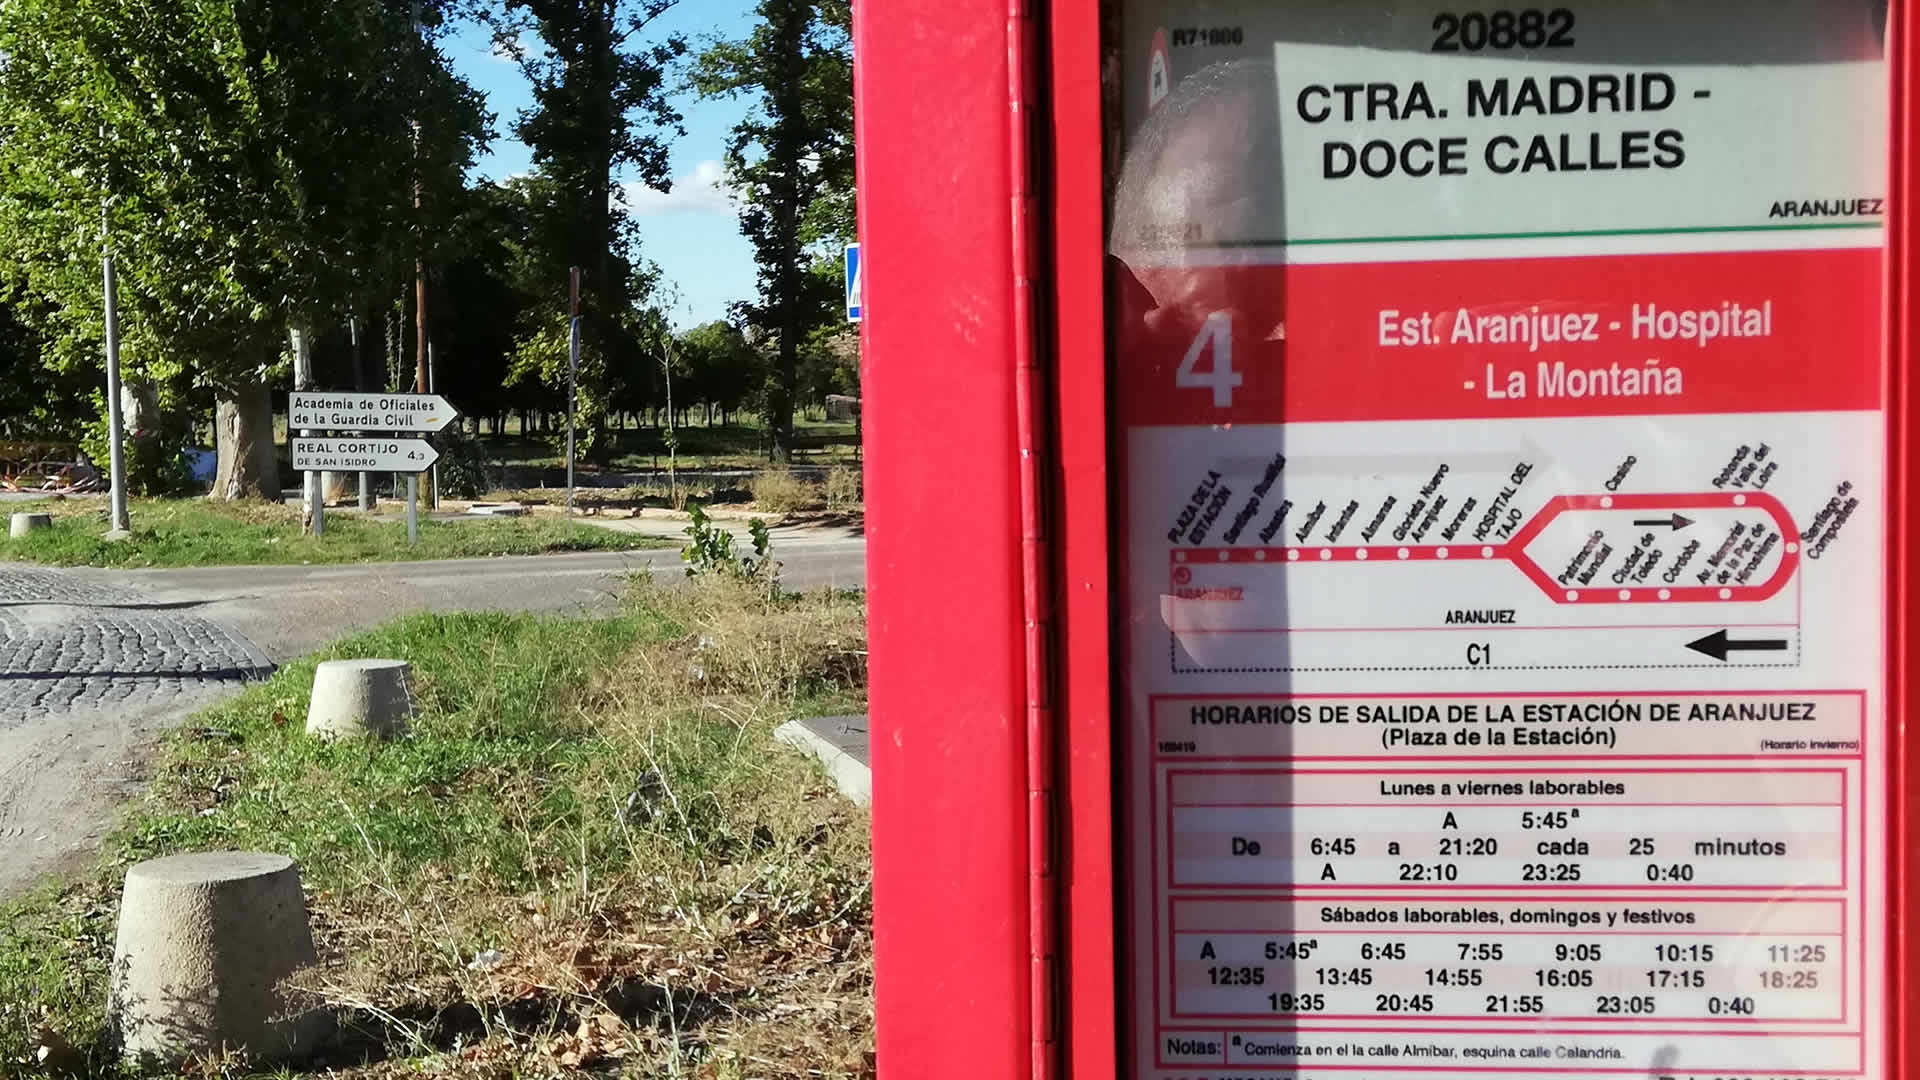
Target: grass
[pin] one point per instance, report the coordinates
(601, 803)
(202, 532)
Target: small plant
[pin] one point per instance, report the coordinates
(709, 547)
(710, 550)
(762, 566)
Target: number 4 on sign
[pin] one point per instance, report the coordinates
(1221, 378)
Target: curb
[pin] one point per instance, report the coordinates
(840, 744)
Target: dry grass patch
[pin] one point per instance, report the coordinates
(591, 854)
(780, 491)
(843, 488)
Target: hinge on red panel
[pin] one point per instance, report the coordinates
(1045, 982)
(1045, 954)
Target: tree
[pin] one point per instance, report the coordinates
(251, 163)
(40, 403)
(482, 302)
(722, 370)
(792, 160)
(600, 106)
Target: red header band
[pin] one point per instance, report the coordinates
(1588, 336)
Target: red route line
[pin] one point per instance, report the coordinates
(1514, 551)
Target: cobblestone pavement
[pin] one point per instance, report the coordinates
(69, 644)
(89, 671)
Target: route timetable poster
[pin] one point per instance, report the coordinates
(1500, 402)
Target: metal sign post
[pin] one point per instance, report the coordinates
(119, 527)
(573, 370)
(434, 501)
(312, 497)
(359, 380)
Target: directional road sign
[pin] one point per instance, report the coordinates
(369, 455)
(854, 304)
(328, 410)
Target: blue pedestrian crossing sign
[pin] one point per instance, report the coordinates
(853, 282)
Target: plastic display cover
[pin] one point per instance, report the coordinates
(1500, 403)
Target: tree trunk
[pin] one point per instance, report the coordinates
(243, 443)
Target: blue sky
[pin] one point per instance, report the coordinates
(692, 233)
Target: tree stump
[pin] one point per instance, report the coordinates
(205, 941)
(360, 698)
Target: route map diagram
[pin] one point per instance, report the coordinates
(1664, 559)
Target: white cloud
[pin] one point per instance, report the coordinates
(703, 189)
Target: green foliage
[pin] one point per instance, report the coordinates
(248, 160)
(762, 543)
(791, 159)
(710, 551)
(600, 108)
(250, 164)
(462, 465)
(718, 366)
(40, 402)
(709, 547)
(156, 464)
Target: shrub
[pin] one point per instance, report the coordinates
(780, 491)
(463, 467)
(843, 488)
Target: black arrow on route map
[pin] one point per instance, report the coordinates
(1676, 523)
(1717, 645)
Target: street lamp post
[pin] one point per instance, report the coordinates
(119, 527)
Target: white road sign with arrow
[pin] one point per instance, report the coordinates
(340, 411)
(371, 455)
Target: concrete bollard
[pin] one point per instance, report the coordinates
(204, 942)
(22, 524)
(358, 698)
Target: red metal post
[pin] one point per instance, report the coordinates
(1037, 579)
(1903, 647)
(949, 694)
(1075, 212)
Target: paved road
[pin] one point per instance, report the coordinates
(93, 663)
